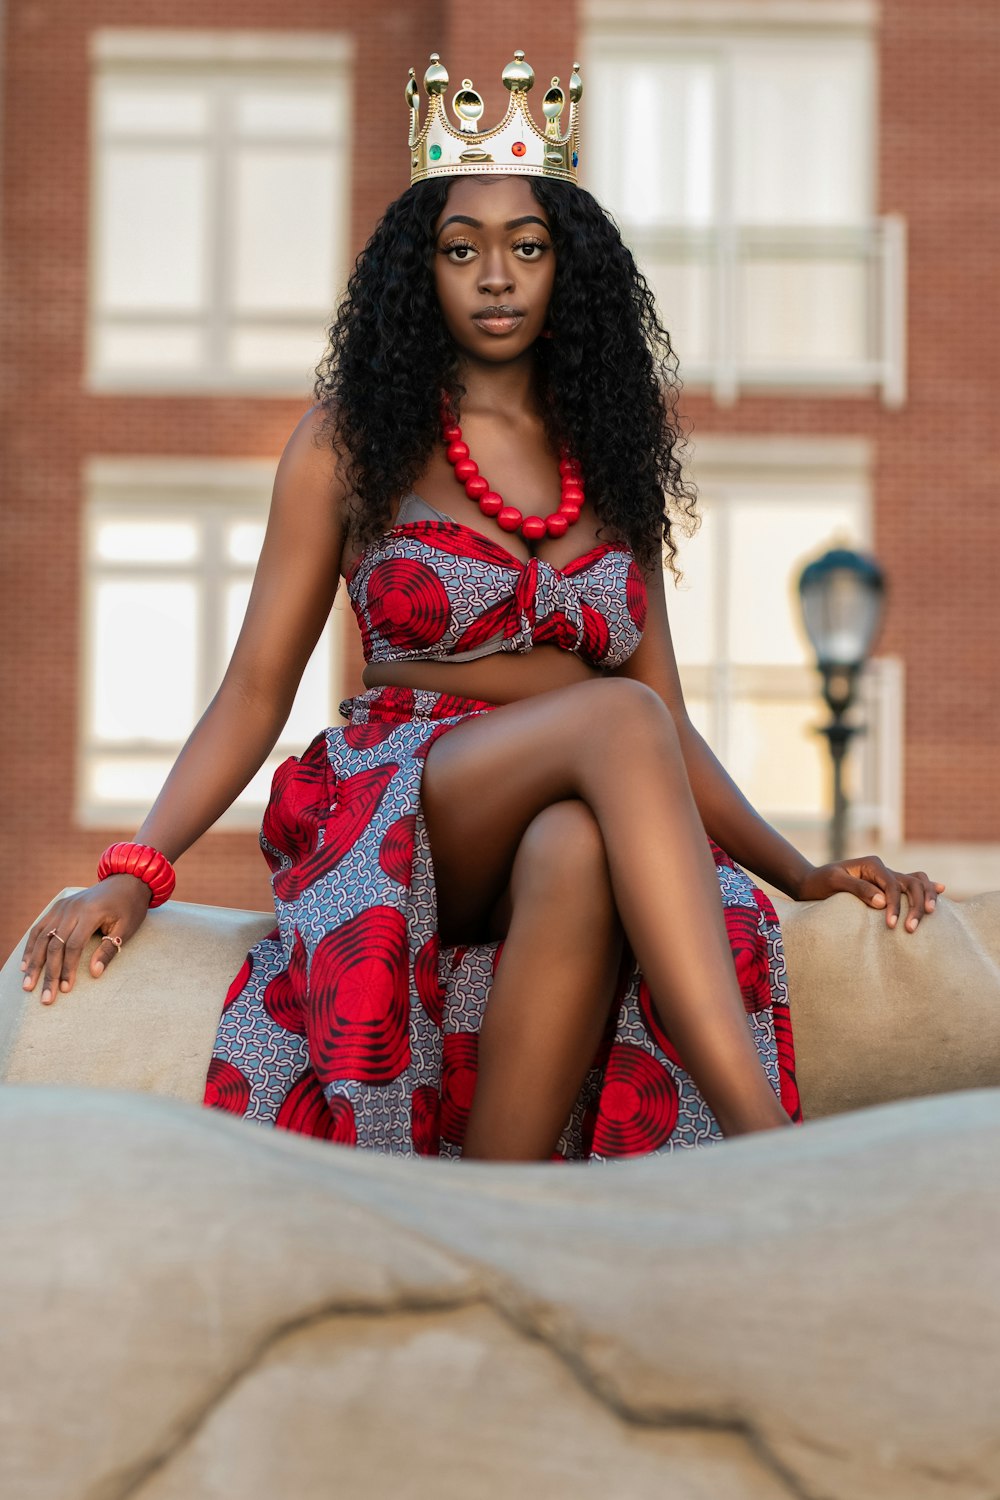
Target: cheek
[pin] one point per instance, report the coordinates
(446, 298)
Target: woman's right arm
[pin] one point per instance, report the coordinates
(293, 592)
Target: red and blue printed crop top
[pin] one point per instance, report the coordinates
(432, 589)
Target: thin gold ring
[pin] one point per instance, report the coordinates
(53, 933)
(111, 937)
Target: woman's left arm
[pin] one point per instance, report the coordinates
(729, 818)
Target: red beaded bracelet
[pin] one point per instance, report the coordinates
(145, 863)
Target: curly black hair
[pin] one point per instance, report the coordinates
(608, 375)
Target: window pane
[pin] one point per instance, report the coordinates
(283, 111)
(123, 779)
(283, 234)
(804, 312)
(147, 107)
(699, 713)
(684, 295)
(244, 540)
(146, 541)
(691, 605)
(286, 351)
(149, 348)
(777, 759)
(152, 225)
(662, 172)
(771, 540)
(311, 710)
(145, 660)
(801, 133)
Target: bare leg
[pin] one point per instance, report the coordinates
(611, 743)
(552, 991)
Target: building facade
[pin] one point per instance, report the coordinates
(808, 185)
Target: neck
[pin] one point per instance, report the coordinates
(508, 390)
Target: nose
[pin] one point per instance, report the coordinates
(496, 274)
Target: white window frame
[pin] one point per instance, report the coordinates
(719, 465)
(154, 489)
(877, 244)
(215, 60)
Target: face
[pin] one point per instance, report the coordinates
(494, 265)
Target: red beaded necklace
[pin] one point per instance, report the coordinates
(532, 528)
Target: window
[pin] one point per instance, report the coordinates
(770, 506)
(736, 146)
(171, 547)
(219, 208)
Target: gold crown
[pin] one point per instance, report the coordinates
(438, 149)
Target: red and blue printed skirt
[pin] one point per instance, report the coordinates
(351, 1022)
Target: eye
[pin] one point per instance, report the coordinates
(531, 249)
(459, 251)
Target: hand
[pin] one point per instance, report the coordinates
(115, 906)
(876, 885)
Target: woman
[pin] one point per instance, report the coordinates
(500, 931)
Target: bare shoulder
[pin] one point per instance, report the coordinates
(310, 465)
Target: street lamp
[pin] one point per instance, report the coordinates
(841, 595)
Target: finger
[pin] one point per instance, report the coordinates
(866, 891)
(889, 881)
(30, 941)
(43, 930)
(928, 891)
(54, 957)
(107, 949)
(920, 896)
(72, 955)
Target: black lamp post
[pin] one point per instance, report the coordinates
(842, 595)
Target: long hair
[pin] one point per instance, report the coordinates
(608, 374)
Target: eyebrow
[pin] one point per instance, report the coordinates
(477, 223)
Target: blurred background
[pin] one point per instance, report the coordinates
(811, 187)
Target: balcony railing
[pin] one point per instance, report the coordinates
(817, 307)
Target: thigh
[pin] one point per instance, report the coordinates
(560, 871)
(488, 778)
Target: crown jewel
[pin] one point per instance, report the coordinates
(440, 149)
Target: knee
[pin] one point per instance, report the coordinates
(623, 711)
(562, 850)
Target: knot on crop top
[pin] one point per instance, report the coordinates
(432, 589)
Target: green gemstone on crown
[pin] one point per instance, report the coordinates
(434, 153)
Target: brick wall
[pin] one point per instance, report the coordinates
(937, 465)
(48, 425)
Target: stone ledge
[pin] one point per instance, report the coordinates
(812, 1312)
(877, 1014)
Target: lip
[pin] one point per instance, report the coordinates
(499, 320)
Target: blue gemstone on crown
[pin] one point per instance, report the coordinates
(576, 158)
